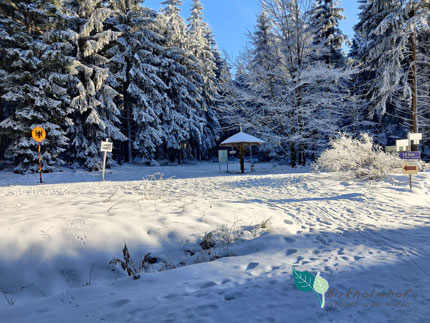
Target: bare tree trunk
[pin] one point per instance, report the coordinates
(413, 77)
(293, 155)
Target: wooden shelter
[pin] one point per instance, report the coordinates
(241, 141)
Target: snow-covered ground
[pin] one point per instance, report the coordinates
(365, 238)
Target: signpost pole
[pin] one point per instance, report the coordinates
(40, 163)
(410, 182)
(39, 135)
(105, 147)
(104, 162)
(104, 165)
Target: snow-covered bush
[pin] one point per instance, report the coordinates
(358, 156)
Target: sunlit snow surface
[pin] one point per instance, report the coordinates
(57, 239)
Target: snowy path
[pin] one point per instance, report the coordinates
(56, 239)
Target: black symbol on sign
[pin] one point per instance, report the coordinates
(39, 134)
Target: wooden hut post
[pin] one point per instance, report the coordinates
(242, 150)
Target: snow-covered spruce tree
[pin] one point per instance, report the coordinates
(199, 44)
(223, 78)
(200, 47)
(135, 62)
(176, 33)
(263, 73)
(381, 56)
(385, 37)
(328, 38)
(222, 70)
(264, 110)
(35, 71)
(326, 78)
(97, 115)
(354, 119)
(183, 120)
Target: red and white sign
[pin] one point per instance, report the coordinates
(409, 169)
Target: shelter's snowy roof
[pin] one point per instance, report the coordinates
(242, 137)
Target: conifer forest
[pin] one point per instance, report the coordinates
(158, 87)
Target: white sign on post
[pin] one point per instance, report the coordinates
(414, 138)
(402, 145)
(106, 147)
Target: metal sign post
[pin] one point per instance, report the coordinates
(40, 163)
(409, 170)
(408, 150)
(106, 147)
(39, 135)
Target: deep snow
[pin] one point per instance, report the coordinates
(57, 239)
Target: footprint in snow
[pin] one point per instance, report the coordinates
(290, 252)
(207, 284)
(299, 258)
(289, 240)
(252, 265)
(323, 241)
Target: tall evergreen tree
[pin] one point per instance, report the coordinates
(35, 72)
(328, 38)
(136, 63)
(386, 49)
(184, 120)
(97, 115)
(327, 75)
(381, 54)
(200, 47)
(176, 33)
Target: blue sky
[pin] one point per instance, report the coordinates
(232, 19)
